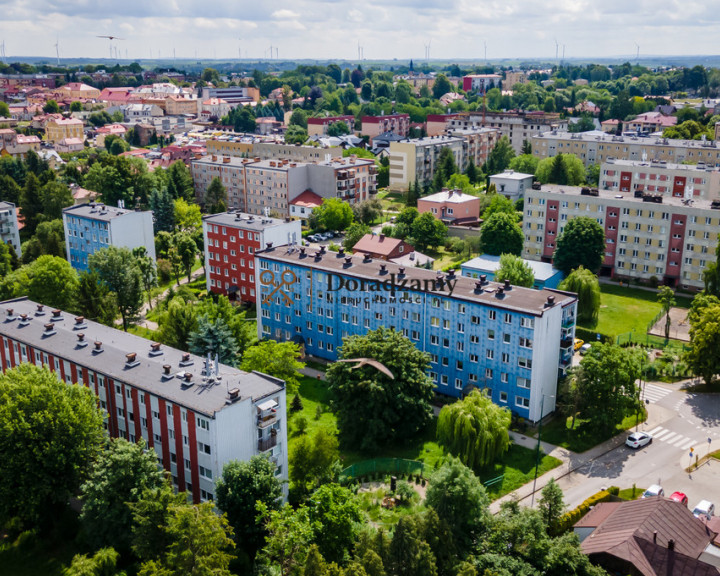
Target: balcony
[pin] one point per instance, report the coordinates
(265, 444)
(569, 321)
(566, 343)
(267, 420)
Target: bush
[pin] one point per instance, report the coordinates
(301, 424)
(613, 490)
(568, 520)
(387, 231)
(318, 412)
(296, 404)
(164, 270)
(405, 492)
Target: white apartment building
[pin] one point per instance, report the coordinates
(670, 238)
(9, 231)
(197, 415)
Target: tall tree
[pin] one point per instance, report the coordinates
(500, 234)
(290, 534)
(150, 517)
(582, 243)
(185, 250)
(177, 323)
(427, 230)
(278, 359)
(5, 260)
(120, 475)
(161, 203)
(148, 271)
(215, 197)
(49, 434)
(552, 506)
(516, 270)
(441, 86)
(459, 498)
(335, 515)
(585, 284)
(118, 269)
(702, 357)
(180, 182)
(666, 297)
(31, 202)
(711, 275)
(333, 214)
(55, 196)
(239, 489)
(606, 378)
(214, 337)
(187, 216)
(500, 157)
(49, 280)
(94, 299)
(372, 408)
(313, 460)
(475, 430)
(49, 239)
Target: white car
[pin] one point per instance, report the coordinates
(584, 349)
(638, 440)
(704, 508)
(654, 490)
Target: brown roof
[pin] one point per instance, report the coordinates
(308, 199)
(377, 244)
(628, 534)
(597, 515)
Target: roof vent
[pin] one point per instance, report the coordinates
(56, 315)
(507, 285)
(348, 260)
(166, 375)
(478, 286)
(451, 273)
(341, 252)
(98, 347)
(81, 342)
(483, 278)
(367, 258)
(234, 394)
(49, 330)
(671, 544)
(550, 301)
(302, 252)
(24, 320)
(131, 360)
(383, 268)
(186, 360)
(500, 292)
(155, 349)
(401, 271)
(79, 323)
(322, 249)
(318, 255)
(40, 310)
(268, 245)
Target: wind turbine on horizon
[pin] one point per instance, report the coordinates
(637, 53)
(57, 50)
(111, 38)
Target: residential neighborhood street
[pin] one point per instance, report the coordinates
(678, 421)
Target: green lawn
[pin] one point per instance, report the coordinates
(559, 433)
(627, 493)
(518, 465)
(625, 309)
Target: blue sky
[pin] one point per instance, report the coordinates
(331, 29)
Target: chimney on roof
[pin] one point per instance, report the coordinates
(381, 237)
(10, 312)
(671, 544)
(130, 357)
(185, 357)
(451, 273)
(655, 537)
(383, 268)
(98, 345)
(302, 251)
(166, 369)
(268, 245)
(550, 301)
(507, 285)
(79, 320)
(81, 337)
(348, 260)
(322, 249)
(500, 293)
(56, 313)
(187, 376)
(483, 278)
(401, 271)
(40, 309)
(341, 251)
(234, 393)
(478, 286)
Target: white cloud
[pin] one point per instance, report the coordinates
(285, 14)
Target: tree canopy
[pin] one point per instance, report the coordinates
(278, 359)
(585, 284)
(500, 234)
(582, 243)
(703, 357)
(516, 270)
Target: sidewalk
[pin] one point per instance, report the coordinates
(572, 461)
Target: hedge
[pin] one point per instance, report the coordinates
(568, 520)
(590, 336)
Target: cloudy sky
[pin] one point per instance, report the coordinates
(332, 29)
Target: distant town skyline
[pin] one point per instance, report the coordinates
(376, 29)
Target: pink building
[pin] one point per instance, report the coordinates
(398, 124)
(437, 124)
(319, 126)
(451, 206)
(481, 82)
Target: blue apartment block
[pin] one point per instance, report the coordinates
(91, 227)
(513, 342)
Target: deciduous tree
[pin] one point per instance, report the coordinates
(474, 429)
(500, 234)
(49, 433)
(334, 214)
(582, 243)
(516, 270)
(278, 359)
(118, 269)
(427, 231)
(585, 284)
(313, 460)
(373, 408)
(703, 357)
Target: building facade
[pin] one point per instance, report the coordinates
(451, 206)
(593, 148)
(517, 126)
(195, 414)
(512, 184)
(646, 235)
(679, 180)
(398, 124)
(480, 83)
(545, 275)
(415, 160)
(511, 341)
(59, 129)
(9, 230)
(231, 240)
(319, 126)
(91, 227)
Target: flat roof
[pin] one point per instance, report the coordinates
(661, 164)
(430, 140)
(451, 196)
(242, 220)
(489, 263)
(512, 175)
(94, 212)
(697, 203)
(596, 136)
(207, 398)
(518, 299)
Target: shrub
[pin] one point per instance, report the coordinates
(570, 518)
(164, 270)
(613, 490)
(296, 404)
(318, 412)
(301, 424)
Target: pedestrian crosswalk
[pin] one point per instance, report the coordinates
(653, 393)
(673, 438)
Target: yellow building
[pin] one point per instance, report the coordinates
(76, 91)
(62, 128)
(176, 105)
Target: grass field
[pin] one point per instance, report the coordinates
(627, 493)
(625, 309)
(517, 466)
(559, 433)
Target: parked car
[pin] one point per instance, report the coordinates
(679, 497)
(312, 238)
(705, 509)
(654, 490)
(638, 440)
(584, 348)
(578, 344)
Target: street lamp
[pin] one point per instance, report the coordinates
(537, 449)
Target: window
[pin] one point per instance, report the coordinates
(525, 342)
(522, 402)
(506, 338)
(527, 322)
(491, 334)
(204, 448)
(523, 383)
(489, 354)
(508, 318)
(505, 357)
(491, 315)
(205, 472)
(503, 396)
(525, 362)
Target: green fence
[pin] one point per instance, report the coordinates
(651, 341)
(395, 466)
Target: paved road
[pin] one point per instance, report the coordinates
(681, 421)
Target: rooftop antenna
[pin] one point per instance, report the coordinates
(637, 53)
(57, 49)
